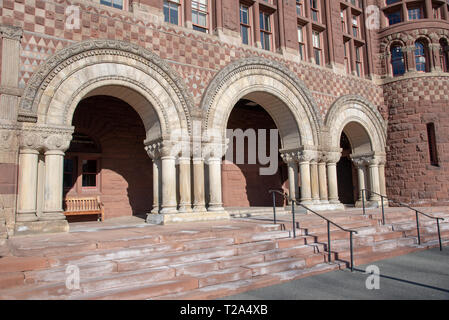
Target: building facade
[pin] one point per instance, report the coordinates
(131, 100)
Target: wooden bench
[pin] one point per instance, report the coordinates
(75, 206)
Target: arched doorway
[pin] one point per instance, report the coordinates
(106, 158)
(347, 180)
(243, 183)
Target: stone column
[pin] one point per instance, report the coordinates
(292, 174)
(185, 202)
(215, 202)
(168, 160)
(323, 181)
(315, 185)
(382, 184)
(304, 158)
(360, 164)
(27, 185)
(154, 153)
(332, 159)
(373, 165)
(53, 190)
(199, 203)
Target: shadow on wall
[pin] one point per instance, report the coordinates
(124, 173)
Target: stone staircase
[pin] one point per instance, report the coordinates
(204, 260)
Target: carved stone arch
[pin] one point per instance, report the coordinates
(358, 110)
(264, 82)
(63, 79)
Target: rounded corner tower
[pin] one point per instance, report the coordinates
(414, 68)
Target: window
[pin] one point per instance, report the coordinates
(397, 61)
(431, 139)
(359, 61)
(315, 10)
(444, 61)
(346, 50)
(392, 1)
(69, 173)
(89, 173)
(316, 40)
(436, 12)
(245, 27)
(343, 21)
(172, 11)
(421, 57)
(118, 4)
(299, 7)
(302, 46)
(355, 26)
(200, 15)
(414, 14)
(394, 17)
(265, 30)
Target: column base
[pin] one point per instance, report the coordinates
(171, 218)
(184, 209)
(217, 208)
(53, 215)
(40, 227)
(325, 206)
(169, 210)
(26, 217)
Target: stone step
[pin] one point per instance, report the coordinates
(269, 267)
(174, 258)
(223, 276)
(223, 289)
(291, 252)
(240, 260)
(386, 245)
(11, 279)
(141, 292)
(245, 238)
(360, 259)
(17, 264)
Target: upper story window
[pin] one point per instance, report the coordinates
(343, 21)
(432, 143)
(359, 61)
(302, 45)
(118, 4)
(415, 13)
(421, 56)
(444, 58)
(388, 2)
(265, 30)
(355, 26)
(315, 10)
(346, 53)
(317, 51)
(172, 11)
(200, 15)
(397, 61)
(299, 8)
(394, 17)
(245, 25)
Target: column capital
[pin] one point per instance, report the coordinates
(307, 156)
(153, 149)
(11, 32)
(288, 157)
(213, 151)
(332, 157)
(45, 138)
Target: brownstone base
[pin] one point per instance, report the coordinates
(39, 227)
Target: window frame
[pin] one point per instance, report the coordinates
(317, 49)
(208, 16)
(269, 32)
(302, 44)
(77, 185)
(180, 5)
(249, 25)
(393, 62)
(125, 4)
(316, 11)
(425, 55)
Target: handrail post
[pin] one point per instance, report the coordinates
(383, 210)
(352, 253)
(274, 208)
(363, 200)
(439, 234)
(293, 218)
(329, 241)
(417, 227)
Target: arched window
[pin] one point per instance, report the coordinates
(397, 60)
(421, 56)
(444, 48)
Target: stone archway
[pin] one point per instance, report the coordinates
(284, 97)
(365, 128)
(99, 67)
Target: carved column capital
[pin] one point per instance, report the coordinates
(45, 138)
(11, 32)
(154, 150)
(288, 157)
(332, 157)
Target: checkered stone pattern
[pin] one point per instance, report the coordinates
(197, 57)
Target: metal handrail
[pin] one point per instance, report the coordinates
(329, 222)
(406, 206)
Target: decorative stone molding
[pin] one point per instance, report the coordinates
(333, 157)
(153, 149)
(45, 138)
(257, 65)
(288, 157)
(11, 32)
(8, 137)
(83, 50)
